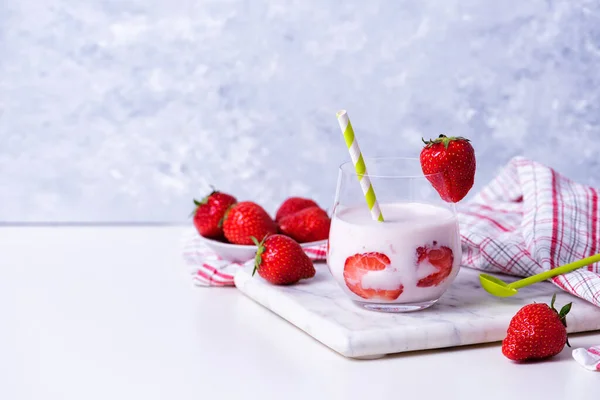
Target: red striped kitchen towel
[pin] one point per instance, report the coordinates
(209, 270)
(588, 358)
(530, 219)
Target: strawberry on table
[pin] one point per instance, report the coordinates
(281, 261)
(307, 225)
(358, 265)
(450, 164)
(536, 332)
(293, 205)
(246, 220)
(441, 257)
(209, 211)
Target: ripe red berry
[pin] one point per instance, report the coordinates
(307, 225)
(281, 261)
(536, 332)
(449, 164)
(293, 205)
(209, 212)
(246, 220)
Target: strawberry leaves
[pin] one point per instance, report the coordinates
(562, 314)
(259, 252)
(443, 139)
(564, 311)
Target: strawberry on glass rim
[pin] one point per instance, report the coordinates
(449, 165)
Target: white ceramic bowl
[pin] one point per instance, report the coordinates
(241, 253)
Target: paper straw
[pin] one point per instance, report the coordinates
(359, 165)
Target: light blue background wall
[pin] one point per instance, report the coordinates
(124, 110)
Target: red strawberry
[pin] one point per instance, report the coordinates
(281, 261)
(440, 257)
(209, 211)
(536, 331)
(358, 265)
(307, 225)
(246, 220)
(293, 205)
(449, 163)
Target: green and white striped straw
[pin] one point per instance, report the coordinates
(359, 165)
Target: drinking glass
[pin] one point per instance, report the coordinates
(406, 262)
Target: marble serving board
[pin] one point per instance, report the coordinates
(466, 314)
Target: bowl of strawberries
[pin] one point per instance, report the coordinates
(233, 230)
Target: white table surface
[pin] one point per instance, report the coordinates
(109, 313)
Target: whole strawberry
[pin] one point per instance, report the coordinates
(293, 205)
(449, 163)
(281, 261)
(536, 332)
(246, 220)
(307, 225)
(209, 211)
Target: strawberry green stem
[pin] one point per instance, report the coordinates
(259, 252)
(562, 314)
(443, 139)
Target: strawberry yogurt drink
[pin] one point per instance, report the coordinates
(404, 263)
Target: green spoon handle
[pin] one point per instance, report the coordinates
(555, 272)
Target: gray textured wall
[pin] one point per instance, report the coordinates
(124, 110)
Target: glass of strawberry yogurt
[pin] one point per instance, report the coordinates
(406, 262)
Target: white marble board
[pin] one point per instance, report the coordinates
(466, 314)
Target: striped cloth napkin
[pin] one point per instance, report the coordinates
(208, 269)
(588, 358)
(530, 219)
